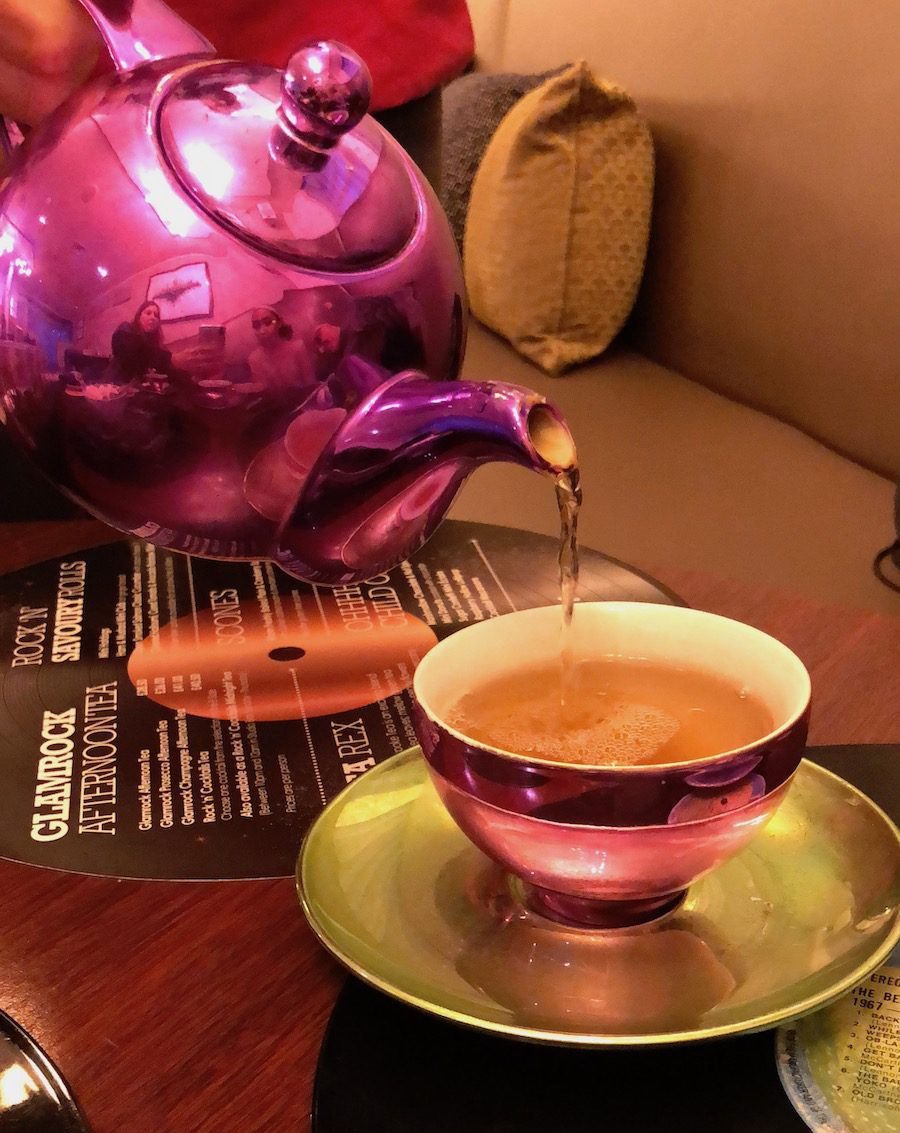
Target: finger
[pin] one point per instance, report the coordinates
(27, 99)
(46, 51)
(45, 36)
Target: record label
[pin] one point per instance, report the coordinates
(841, 1066)
(178, 718)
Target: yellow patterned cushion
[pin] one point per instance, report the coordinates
(558, 220)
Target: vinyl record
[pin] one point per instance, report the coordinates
(179, 718)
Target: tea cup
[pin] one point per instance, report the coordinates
(610, 845)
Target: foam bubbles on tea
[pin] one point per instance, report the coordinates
(617, 712)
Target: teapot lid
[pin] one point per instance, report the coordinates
(289, 162)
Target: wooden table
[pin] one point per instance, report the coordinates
(196, 1007)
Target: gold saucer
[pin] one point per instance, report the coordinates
(397, 893)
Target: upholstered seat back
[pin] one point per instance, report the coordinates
(774, 268)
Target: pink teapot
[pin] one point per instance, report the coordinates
(233, 312)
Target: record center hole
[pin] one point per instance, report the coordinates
(287, 653)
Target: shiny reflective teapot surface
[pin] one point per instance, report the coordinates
(232, 311)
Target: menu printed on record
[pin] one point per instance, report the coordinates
(171, 717)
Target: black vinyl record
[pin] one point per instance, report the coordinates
(169, 717)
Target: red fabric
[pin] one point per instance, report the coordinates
(410, 46)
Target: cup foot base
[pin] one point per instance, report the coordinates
(597, 913)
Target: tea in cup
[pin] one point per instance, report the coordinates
(609, 788)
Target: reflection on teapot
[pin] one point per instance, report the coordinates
(248, 310)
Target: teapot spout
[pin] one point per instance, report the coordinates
(393, 467)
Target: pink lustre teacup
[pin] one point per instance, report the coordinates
(605, 845)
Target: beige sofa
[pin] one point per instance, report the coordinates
(747, 421)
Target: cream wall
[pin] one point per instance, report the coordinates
(775, 257)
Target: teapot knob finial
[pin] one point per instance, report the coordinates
(324, 93)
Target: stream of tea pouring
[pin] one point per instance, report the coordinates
(555, 444)
(568, 500)
(642, 728)
(647, 727)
